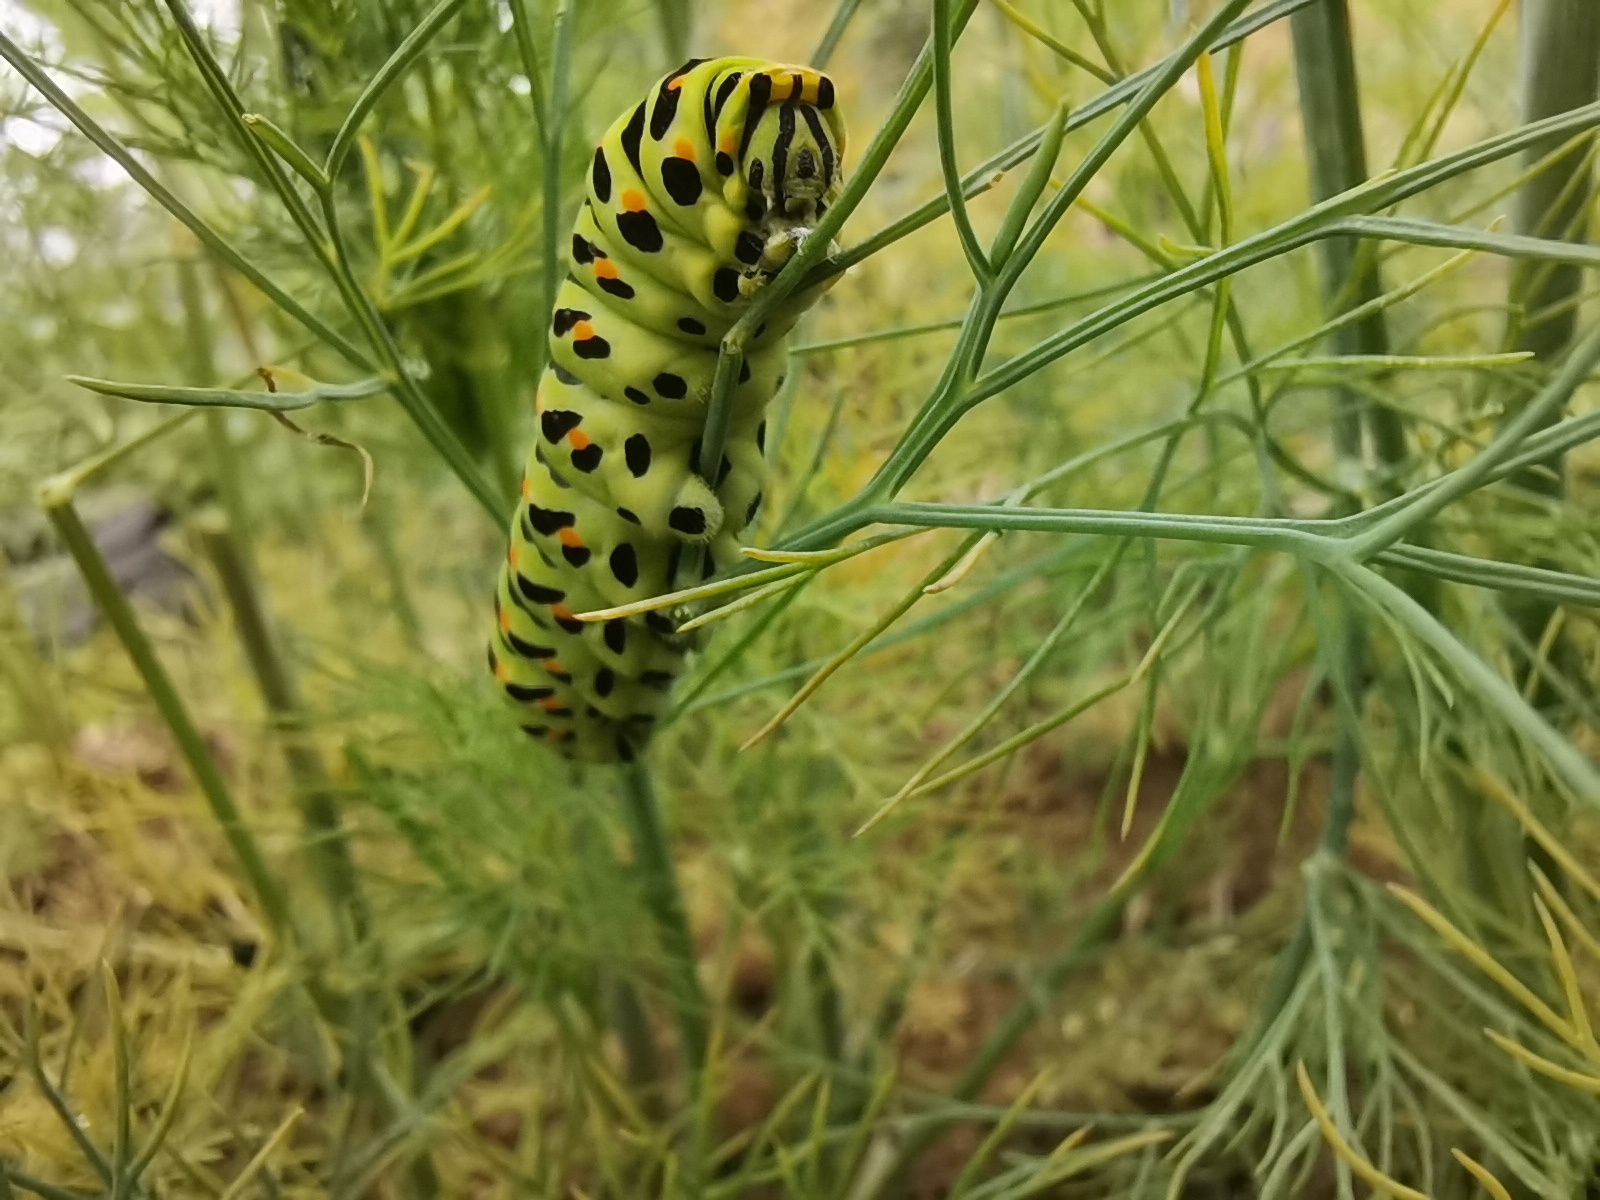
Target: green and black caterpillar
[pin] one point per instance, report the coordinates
(695, 199)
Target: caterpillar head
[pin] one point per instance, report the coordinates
(792, 143)
(792, 165)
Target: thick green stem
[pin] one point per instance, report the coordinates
(328, 844)
(379, 519)
(632, 1023)
(835, 31)
(1330, 110)
(554, 131)
(677, 24)
(56, 501)
(1560, 72)
(652, 858)
(944, 111)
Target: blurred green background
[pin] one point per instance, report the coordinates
(1139, 942)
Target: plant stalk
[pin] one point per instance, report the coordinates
(652, 856)
(677, 25)
(57, 503)
(1330, 108)
(1560, 72)
(328, 842)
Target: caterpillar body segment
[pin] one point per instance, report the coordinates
(695, 199)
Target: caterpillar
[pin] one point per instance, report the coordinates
(695, 199)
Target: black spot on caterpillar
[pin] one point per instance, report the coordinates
(682, 180)
(625, 565)
(637, 450)
(563, 320)
(639, 230)
(555, 423)
(691, 521)
(608, 517)
(630, 135)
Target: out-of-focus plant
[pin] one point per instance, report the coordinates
(391, 180)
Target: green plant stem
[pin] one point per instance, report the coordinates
(554, 130)
(397, 64)
(38, 1187)
(58, 506)
(379, 519)
(795, 273)
(639, 1052)
(652, 857)
(1560, 72)
(70, 1121)
(677, 25)
(328, 843)
(944, 112)
(1330, 108)
(1331, 117)
(842, 16)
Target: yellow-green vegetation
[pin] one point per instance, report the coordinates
(1150, 752)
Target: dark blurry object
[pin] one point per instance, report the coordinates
(51, 598)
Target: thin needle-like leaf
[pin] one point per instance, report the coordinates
(1537, 1062)
(122, 1086)
(1485, 962)
(259, 1161)
(893, 614)
(398, 63)
(1331, 1134)
(1496, 1189)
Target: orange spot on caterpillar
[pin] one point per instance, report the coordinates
(505, 622)
(558, 735)
(569, 537)
(578, 438)
(726, 143)
(550, 702)
(684, 148)
(500, 672)
(674, 84)
(555, 668)
(582, 331)
(511, 556)
(634, 201)
(604, 268)
(561, 613)
(527, 488)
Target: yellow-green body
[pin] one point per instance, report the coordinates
(695, 199)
